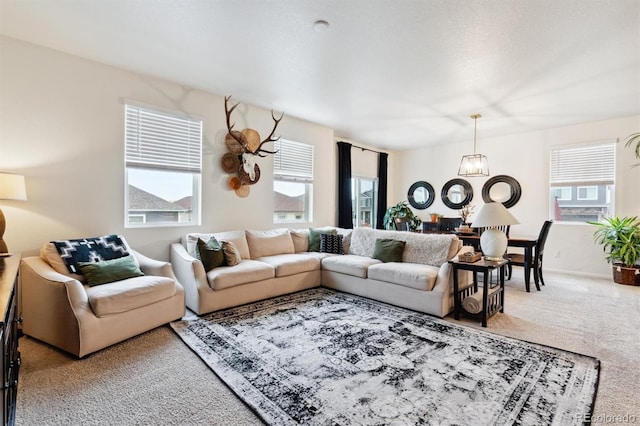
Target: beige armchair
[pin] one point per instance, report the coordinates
(61, 310)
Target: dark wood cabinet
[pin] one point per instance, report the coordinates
(9, 336)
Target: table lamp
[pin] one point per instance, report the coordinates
(11, 188)
(493, 241)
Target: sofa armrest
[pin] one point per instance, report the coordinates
(53, 304)
(191, 274)
(444, 282)
(154, 267)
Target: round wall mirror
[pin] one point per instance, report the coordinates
(421, 195)
(456, 193)
(502, 189)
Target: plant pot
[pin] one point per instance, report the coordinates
(627, 276)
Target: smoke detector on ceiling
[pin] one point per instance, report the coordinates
(320, 25)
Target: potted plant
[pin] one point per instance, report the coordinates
(434, 216)
(620, 239)
(401, 209)
(631, 139)
(465, 212)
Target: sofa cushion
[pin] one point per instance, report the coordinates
(388, 250)
(300, 240)
(331, 244)
(291, 264)
(314, 236)
(349, 264)
(318, 255)
(268, 243)
(210, 253)
(427, 249)
(346, 239)
(132, 293)
(231, 253)
(108, 271)
(190, 242)
(247, 271)
(414, 275)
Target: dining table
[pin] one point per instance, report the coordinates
(528, 243)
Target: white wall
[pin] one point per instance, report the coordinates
(526, 157)
(61, 122)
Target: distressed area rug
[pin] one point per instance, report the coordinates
(321, 357)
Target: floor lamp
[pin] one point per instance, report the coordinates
(12, 187)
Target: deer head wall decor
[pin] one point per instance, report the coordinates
(246, 145)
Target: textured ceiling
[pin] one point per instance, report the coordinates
(389, 73)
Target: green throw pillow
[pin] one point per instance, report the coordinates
(388, 250)
(314, 237)
(108, 271)
(211, 253)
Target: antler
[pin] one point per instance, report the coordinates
(269, 138)
(227, 111)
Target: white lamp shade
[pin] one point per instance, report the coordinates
(12, 187)
(493, 214)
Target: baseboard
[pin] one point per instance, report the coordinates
(578, 273)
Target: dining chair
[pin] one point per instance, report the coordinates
(480, 230)
(449, 224)
(503, 228)
(401, 223)
(518, 259)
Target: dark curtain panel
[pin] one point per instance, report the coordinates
(344, 186)
(382, 189)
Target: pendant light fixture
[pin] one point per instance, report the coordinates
(476, 164)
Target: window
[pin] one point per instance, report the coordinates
(364, 195)
(582, 179)
(163, 166)
(562, 193)
(292, 182)
(587, 193)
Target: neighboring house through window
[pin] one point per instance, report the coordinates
(163, 154)
(292, 181)
(582, 179)
(363, 201)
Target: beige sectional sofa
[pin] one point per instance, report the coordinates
(278, 262)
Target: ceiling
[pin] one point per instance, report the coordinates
(387, 73)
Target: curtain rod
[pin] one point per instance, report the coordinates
(365, 149)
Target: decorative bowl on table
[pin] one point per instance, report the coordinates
(464, 230)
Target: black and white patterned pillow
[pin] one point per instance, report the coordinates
(90, 250)
(331, 243)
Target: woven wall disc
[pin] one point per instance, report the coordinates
(230, 162)
(237, 144)
(253, 139)
(234, 183)
(244, 176)
(243, 191)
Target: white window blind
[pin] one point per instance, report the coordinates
(155, 139)
(293, 161)
(583, 165)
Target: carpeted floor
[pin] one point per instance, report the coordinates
(156, 379)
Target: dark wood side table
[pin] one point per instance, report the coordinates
(9, 336)
(491, 303)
